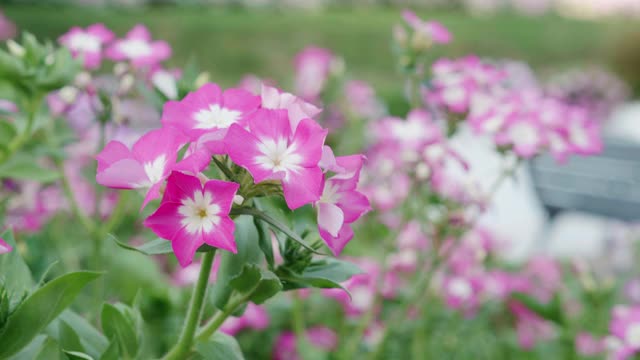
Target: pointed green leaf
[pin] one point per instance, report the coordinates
(220, 347)
(256, 284)
(40, 308)
(119, 326)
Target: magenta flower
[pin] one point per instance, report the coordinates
(4, 247)
(625, 326)
(286, 347)
(138, 48)
(433, 29)
(588, 345)
(341, 204)
(297, 108)
(362, 287)
(313, 67)
(7, 28)
(87, 44)
(192, 214)
(254, 317)
(271, 151)
(209, 109)
(530, 327)
(146, 165)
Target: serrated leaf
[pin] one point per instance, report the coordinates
(220, 347)
(40, 308)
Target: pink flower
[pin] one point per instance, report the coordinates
(87, 44)
(313, 67)
(192, 214)
(7, 28)
(530, 327)
(8, 106)
(186, 276)
(341, 204)
(286, 348)
(4, 247)
(297, 108)
(271, 151)
(524, 135)
(433, 29)
(138, 48)
(146, 165)
(588, 345)
(362, 287)
(625, 326)
(462, 292)
(254, 317)
(208, 110)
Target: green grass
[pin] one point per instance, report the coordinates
(232, 43)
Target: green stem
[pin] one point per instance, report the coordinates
(210, 327)
(16, 143)
(182, 348)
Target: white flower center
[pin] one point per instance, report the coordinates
(199, 213)
(215, 117)
(155, 169)
(330, 193)
(409, 130)
(454, 95)
(523, 134)
(135, 48)
(460, 288)
(632, 335)
(85, 42)
(278, 155)
(578, 136)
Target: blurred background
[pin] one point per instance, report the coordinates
(579, 49)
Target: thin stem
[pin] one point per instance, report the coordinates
(298, 318)
(182, 348)
(210, 327)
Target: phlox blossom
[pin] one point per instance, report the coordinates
(138, 48)
(87, 43)
(254, 317)
(297, 108)
(192, 214)
(313, 67)
(271, 151)
(435, 31)
(146, 165)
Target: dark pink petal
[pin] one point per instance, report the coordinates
(337, 244)
(309, 140)
(353, 204)
(4, 247)
(223, 192)
(180, 186)
(270, 124)
(241, 146)
(139, 32)
(302, 187)
(239, 99)
(152, 194)
(102, 32)
(165, 221)
(185, 245)
(222, 236)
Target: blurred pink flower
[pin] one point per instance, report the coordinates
(313, 67)
(87, 44)
(7, 28)
(138, 48)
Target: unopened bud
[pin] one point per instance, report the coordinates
(238, 199)
(68, 94)
(120, 69)
(126, 83)
(202, 79)
(82, 80)
(15, 49)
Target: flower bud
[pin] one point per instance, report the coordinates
(68, 94)
(238, 199)
(202, 79)
(15, 49)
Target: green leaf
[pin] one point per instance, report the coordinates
(39, 309)
(155, 247)
(93, 342)
(220, 347)
(50, 350)
(24, 167)
(111, 353)
(274, 223)
(121, 324)
(231, 265)
(256, 284)
(69, 339)
(551, 311)
(7, 132)
(327, 273)
(15, 275)
(77, 355)
(264, 240)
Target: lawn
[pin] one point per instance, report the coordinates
(230, 43)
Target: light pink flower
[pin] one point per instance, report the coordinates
(529, 326)
(362, 287)
(297, 108)
(588, 345)
(192, 214)
(138, 48)
(4, 247)
(209, 109)
(341, 203)
(7, 28)
(87, 43)
(625, 326)
(271, 151)
(313, 66)
(146, 165)
(187, 276)
(433, 29)
(254, 317)
(8, 106)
